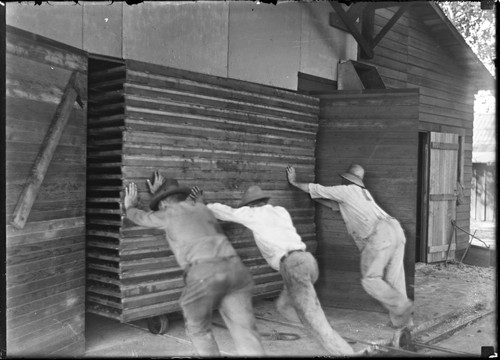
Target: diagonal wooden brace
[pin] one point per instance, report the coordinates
(349, 22)
(74, 91)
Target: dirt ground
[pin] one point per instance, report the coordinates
(477, 283)
(446, 297)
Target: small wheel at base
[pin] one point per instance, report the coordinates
(158, 325)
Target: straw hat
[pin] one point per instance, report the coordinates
(252, 194)
(169, 187)
(354, 174)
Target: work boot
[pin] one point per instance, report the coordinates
(404, 318)
(368, 351)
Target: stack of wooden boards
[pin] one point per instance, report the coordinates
(220, 134)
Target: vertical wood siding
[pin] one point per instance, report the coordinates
(46, 259)
(483, 194)
(378, 130)
(219, 134)
(411, 56)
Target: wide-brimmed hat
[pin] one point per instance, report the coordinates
(252, 194)
(354, 174)
(169, 187)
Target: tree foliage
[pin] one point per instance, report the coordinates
(477, 26)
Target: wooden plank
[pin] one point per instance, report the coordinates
(153, 85)
(76, 244)
(36, 328)
(55, 337)
(23, 314)
(67, 264)
(440, 248)
(74, 89)
(291, 122)
(442, 197)
(44, 50)
(133, 65)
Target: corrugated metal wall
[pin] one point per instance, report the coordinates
(219, 134)
(45, 259)
(377, 129)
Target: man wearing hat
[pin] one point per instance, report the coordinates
(214, 275)
(378, 236)
(284, 251)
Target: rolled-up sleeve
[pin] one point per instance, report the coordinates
(143, 218)
(318, 191)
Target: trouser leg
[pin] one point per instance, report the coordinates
(383, 254)
(237, 312)
(198, 324)
(285, 307)
(299, 272)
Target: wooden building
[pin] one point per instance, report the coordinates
(220, 95)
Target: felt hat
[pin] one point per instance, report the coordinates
(169, 187)
(252, 194)
(354, 174)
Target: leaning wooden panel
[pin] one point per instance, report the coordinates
(46, 255)
(219, 134)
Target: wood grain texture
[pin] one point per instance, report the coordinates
(219, 134)
(45, 273)
(387, 149)
(411, 55)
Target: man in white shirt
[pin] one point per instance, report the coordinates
(283, 249)
(378, 236)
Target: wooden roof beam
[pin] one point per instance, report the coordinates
(350, 24)
(389, 24)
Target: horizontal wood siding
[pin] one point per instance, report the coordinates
(45, 285)
(219, 134)
(381, 135)
(411, 55)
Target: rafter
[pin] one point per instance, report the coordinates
(349, 22)
(366, 12)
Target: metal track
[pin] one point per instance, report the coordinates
(401, 338)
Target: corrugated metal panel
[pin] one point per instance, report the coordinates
(45, 283)
(219, 134)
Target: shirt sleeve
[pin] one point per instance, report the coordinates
(336, 193)
(227, 213)
(147, 219)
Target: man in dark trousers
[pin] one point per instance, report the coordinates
(378, 236)
(284, 251)
(214, 275)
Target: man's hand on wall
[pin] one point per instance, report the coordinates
(196, 194)
(158, 180)
(130, 199)
(291, 175)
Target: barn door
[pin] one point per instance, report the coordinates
(443, 165)
(377, 129)
(45, 148)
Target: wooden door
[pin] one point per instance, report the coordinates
(45, 147)
(443, 169)
(377, 129)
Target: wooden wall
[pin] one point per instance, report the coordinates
(219, 134)
(377, 129)
(411, 56)
(45, 259)
(483, 193)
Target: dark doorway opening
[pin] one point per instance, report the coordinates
(422, 197)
